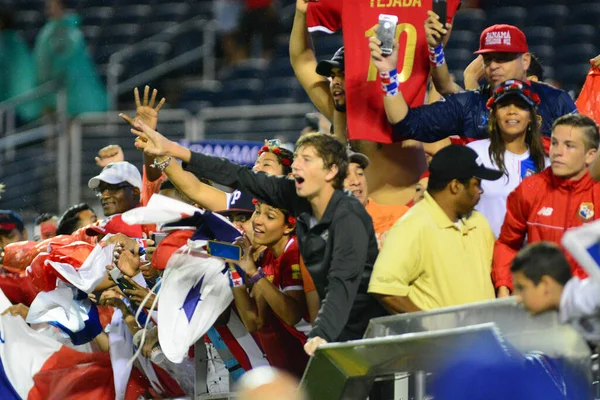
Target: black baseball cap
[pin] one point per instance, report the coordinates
(459, 162)
(324, 67)
(358, 158)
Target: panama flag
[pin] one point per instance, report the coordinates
(34, 366)
(583, 243)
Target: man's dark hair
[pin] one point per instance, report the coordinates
(69, 221)
(331, 151)
(438, 185)
(536, 68)
(590, 128)
(542, 258)
(43, 218)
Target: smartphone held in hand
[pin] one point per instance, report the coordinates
(440, 7)
(386, 32)
(224, 250)
(157, 237)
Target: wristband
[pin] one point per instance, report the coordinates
(236, 279)
(436, 55)
(161, 164)
(258, 276)
(389, 82)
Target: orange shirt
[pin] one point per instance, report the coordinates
(384, 217)
(307, 280)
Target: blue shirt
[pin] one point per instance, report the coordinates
(465, 114)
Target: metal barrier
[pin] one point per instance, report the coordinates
(30, 152)
(285, 120)
(204, 52)
(90, 132)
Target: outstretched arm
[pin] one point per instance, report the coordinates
(304, 63)
(437, 35)
(278, 191)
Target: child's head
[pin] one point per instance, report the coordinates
(540, 271)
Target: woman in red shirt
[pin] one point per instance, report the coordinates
(272, 301)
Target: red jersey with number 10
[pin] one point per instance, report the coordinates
(364, 100)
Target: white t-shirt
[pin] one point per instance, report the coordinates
(493, 200)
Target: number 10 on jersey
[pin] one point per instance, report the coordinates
(409, 51)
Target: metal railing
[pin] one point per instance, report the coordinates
(8, 107)
(57, 129)
(204, 52)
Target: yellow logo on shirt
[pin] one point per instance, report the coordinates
(395, 3)
(296, 274)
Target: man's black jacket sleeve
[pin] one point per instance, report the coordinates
(350, 245)
(279, 192)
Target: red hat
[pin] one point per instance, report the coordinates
(116, 225)
(502, 39)
(169, 245)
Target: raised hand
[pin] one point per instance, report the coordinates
(111, 297)
(126, 261)
(138, 293)
(109, 154)
(435, 30)
(301, 6)
(595, 61)
(148, 140)
(145, 111)
(383, 64)
(473, 73)
(311, 346)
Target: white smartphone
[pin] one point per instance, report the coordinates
(386, 32)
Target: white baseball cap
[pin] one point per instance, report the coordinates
(118, 172)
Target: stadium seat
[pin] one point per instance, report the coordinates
(587, 13)
(272, 125)
(90, 33)
(459, 58)
(154, 29)
(327, 45)
(472, 19)
(247, 69)
(103, 52)
(145, 60)
(263, 101)
(194, 106)
(95, 15)
(544, 53)
(173, 12)
(507, 15)
(492, 4)
(280, 67)
(553, 15)
(467, 40)
(574, 54)
(572, 76)
(236, 103)
(202, 9)
(216, 129)
(118, 34)
(579, 33)
(200, 92)
(187, 40)
(29, 19)
(132, 14)
(241, 89)
(539, 35)
(281, 88)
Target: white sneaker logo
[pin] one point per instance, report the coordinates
(546, 211)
